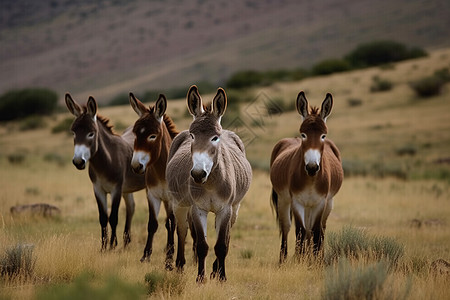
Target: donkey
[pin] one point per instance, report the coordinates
(154, 132)
(306, 173)
(109, 157)
(207, 172)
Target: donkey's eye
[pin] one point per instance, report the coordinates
(303, 135)
(90, 135)
(215, 139)
(152, 137)
(323, 136)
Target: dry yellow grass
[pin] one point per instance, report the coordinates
(68, 246)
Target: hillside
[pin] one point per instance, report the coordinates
(110, 47)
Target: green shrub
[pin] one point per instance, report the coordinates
(330, 66)
(380, 85)
(428, 86)
(63, 126)
(17, 104)
(278, 106)
(348, 282)
(31, 123)
(120, 99)
(381, 52)
(354, 243)
(244, 79)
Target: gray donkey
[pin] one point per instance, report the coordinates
(207, 172)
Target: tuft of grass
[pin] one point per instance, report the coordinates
(347, 282)
(380, 85)
(246, 253)
(355, 243)
(17, 261)
(83, 288)
(169, 284)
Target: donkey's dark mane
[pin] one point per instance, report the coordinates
(103, 120)
(170, 126)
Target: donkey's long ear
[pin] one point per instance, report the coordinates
(160, 107)
(327, 104)
(219, 103)
(73, 107)
(194, 102)
(92, 107)
(137, 105)
(302, 105)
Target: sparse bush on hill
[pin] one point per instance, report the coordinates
(22, 103)
(380, 85)
(63, 126)
(32, 122)
(431, 85)
(381, 52)
(330, 66)
(244, 79)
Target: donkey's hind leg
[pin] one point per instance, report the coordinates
(129, 202)
(283, 208)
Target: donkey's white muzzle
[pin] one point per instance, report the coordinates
(202, 165)
(81, 156)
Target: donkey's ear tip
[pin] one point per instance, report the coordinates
(162, 96)
(131, 94)
(329, 95)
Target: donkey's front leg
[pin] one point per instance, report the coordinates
(100, 197)
(154, 205)
(223, 226)
(116, 196)
(199, 221)
(170, 226)
(181, 214)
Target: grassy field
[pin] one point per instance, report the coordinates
(390, 198)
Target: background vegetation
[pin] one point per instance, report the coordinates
(387, 236)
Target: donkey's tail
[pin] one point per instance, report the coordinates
(274, 202)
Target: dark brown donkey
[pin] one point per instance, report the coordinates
(207, 172)
(109, 157)
(154, 132)
(306, 173)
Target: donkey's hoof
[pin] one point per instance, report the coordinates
(169, 266)
(201, 279)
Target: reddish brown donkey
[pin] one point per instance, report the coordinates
(109, 157)
(154, 132)
(306, 173)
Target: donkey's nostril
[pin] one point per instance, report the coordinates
(312, 169)
(79, 163)
(199, 176)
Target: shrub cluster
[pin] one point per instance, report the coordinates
(22, 103)
(431, 85)
(365, 55)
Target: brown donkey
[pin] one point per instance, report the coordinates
(154, 132)
(306, 173)
(109, 157)
(207, 172)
